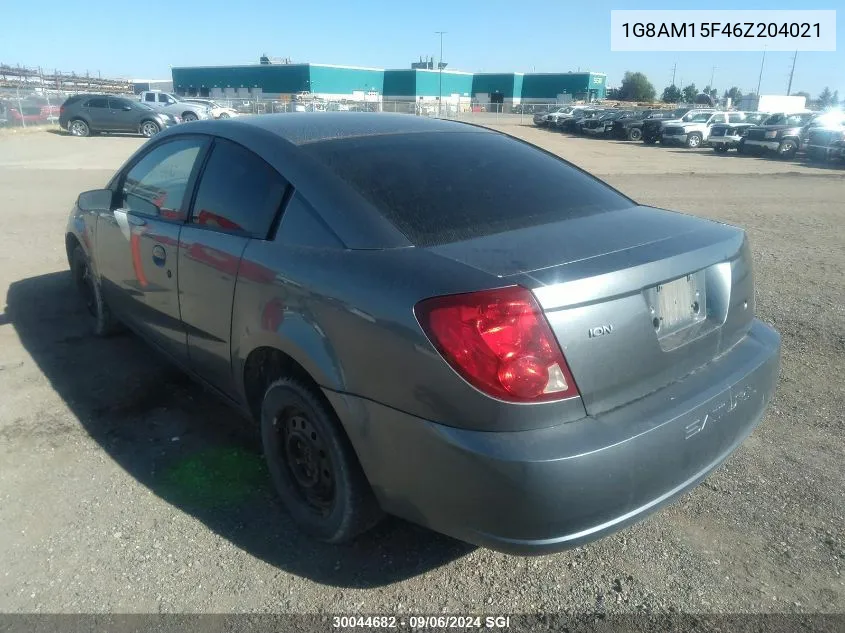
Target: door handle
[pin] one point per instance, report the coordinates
(159, 255)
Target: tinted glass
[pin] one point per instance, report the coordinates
(735, 117)
(238, 192)
(445, 187)
(97, 102)
(156, 185)
(149, 97)
(119, 104)
(162, 98)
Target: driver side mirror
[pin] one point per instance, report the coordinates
(126, 108)
(95, 200)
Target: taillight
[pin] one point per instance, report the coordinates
(500, 342)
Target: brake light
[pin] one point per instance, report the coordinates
(500, 342)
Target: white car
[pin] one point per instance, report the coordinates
(553, 118)
(218, 111)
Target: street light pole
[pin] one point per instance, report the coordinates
(440, 76)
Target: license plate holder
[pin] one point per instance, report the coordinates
(677, 304)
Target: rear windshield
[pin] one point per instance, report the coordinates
(445, 187)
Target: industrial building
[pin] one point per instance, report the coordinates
(284, 80)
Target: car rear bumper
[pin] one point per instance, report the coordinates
(770, 145)
(541, 491)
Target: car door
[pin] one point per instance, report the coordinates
(238, 198)
(124, 118)
(97, 109)
(137, 242)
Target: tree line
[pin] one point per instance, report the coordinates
(635, 86)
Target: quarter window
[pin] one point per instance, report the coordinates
(156, 185)
(238, 193)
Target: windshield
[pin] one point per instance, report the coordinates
(677, 114)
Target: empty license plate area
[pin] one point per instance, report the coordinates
(678, 304)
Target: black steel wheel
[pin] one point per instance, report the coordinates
(787, 149)
(635, 134)
(312, 464)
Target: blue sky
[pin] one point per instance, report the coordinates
(541, 36)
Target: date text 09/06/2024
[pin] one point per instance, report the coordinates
(421, 622)
(715, 29)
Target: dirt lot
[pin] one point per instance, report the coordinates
(124, 487)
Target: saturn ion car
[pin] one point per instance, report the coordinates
(433, 320)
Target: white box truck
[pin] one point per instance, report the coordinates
(772, 103)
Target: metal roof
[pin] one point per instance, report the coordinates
(312, 127)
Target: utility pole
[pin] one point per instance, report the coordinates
(674, 69)
(760, 79)
(440, 78)
(791, 72)
(712, 74)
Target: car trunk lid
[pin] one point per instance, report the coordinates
(637, 298)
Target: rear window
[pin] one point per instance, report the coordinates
(445, 187)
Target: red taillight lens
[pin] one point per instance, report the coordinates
(500, 342)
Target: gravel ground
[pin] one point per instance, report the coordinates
(125, 488)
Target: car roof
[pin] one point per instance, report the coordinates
(305, 128)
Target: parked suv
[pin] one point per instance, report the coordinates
(218, 111)
(724, 136)
(826, 138)
(783, 133)
(174, 105)
(82, 115)
(695, 131)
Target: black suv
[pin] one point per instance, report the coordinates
(82, 115)
(652, 126)
(826, 138)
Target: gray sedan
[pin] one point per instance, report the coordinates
(433, 320)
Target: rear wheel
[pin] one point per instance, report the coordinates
(187, 117)
(78, 127)
(312, 464)
(694, 140)
(103, 323)
(787, 148)
(635, 134)
(149, 128)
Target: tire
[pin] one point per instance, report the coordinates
(721, 149)
(650, 140)
(149, 129)
(635, 134)
(301, 434)
(103, 323)
(187, 117)
(694, 140)
(224, 115)
(78, 127)
(787, 149)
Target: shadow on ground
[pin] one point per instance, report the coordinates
(190, 449)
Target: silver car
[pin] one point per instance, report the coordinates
(434, 320)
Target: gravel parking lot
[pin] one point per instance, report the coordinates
(126, 488)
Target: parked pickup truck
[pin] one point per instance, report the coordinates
(826, 138)
(724, 136)
(178, 107)
(653, 126)
(693, 131)
(781, 133)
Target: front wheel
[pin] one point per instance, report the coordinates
(149, 129)
(694, 140)
(312, 464)
(103, 323)
(635, 134)
(650, 140)
(224, 115)
(787, 149)
(79, 128)
(187, 117)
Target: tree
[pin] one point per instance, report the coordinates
(689, 93)
(734, 94)
(636, 87)
(671, 94)
(826, 98)
(834, 100)
(711, 92)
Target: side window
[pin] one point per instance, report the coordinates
(736, 117)
(238, 193)
(150, 96)
(97, 102)
(155, 186)
(117, 104)
(162, 98)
